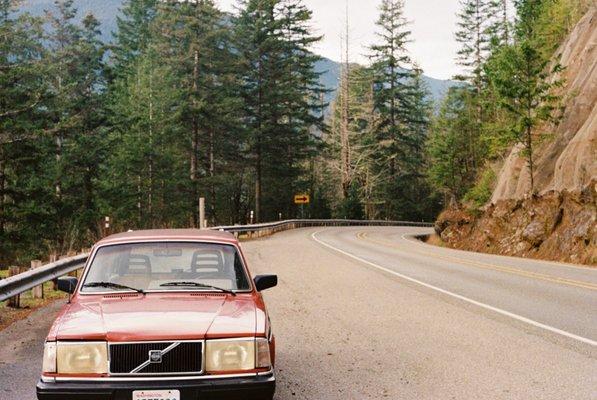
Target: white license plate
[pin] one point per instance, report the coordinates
(156, 395)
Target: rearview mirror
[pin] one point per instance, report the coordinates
(67, 284)
(263, 282)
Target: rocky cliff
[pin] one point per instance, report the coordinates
(568, 158)
(560, 222)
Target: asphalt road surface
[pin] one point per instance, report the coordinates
(369, 313)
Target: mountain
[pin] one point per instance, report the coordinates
(106, 12)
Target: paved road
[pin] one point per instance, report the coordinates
(366, 313)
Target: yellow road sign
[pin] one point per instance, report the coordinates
(302, 199)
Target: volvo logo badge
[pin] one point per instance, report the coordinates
(155, 356)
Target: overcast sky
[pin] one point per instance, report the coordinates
(432, 25)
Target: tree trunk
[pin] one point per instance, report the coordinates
(58, 187)
(150, 166)
(195, 147)
(2, 193)
(478, 84)
(88, 197)
(139, 178)
(212, 174)
(258, 144)
(139, 201)
(59, 139)
(258, 184)
(531, 164)
(505, 21)
(344, 126)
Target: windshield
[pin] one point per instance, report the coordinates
(160, 266)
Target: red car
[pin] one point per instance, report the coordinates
(163, 314)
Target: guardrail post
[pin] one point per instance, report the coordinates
(54, 258)
(14, 302)
(202, 222)
(38, 291)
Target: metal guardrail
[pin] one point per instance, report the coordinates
(20, 283)
(273, 227)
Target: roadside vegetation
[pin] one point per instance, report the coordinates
(191, 102)
(187, 102)
(28, 304)
(511, 90)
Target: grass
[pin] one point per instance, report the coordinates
(8, 315)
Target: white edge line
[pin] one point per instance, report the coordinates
(460, 297)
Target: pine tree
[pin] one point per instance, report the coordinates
(474, 37)
(140, 170)
(259, 43)
(499, 28)
(355, 102)
(280, 96)
(390, 63)
(400, 101)
(344, 104)
(133, 113)
(417, 202)
(23, 94)
(521, 78)
(87, 149)
(75, 115)
(194, 42)
(299, 86)
(451, 170)
(134, 32)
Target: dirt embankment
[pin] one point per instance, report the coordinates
(554, 226)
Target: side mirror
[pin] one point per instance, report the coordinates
(263, 282)
(67, 284)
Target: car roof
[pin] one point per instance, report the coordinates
(169, 234)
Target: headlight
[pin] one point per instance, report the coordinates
(49, 363)
(264, 359)
(230, 355)
(82, 358)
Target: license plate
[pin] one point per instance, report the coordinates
(156, 395)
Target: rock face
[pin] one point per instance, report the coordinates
(560, 222)
(555, 226)
(567, 160)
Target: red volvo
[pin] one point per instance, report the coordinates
(162, 315)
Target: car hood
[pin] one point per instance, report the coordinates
(156, 317)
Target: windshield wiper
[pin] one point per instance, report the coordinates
(197, 284)
(113, 285)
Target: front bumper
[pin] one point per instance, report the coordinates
(257, 387)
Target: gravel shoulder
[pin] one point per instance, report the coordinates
(22, 350)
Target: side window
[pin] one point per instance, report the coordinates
(241, 277)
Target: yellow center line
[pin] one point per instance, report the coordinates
(510, 270)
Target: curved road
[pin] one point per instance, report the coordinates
(369, 313)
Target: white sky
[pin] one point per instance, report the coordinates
(433, 24)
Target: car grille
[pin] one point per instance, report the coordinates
(175, 358)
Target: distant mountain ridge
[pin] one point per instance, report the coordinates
(106, 12)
